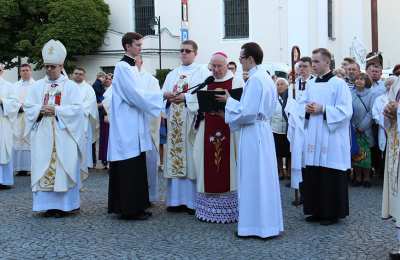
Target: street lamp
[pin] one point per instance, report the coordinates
(156, 22)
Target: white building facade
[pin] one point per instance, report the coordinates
(224, 25)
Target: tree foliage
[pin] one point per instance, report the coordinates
(26, 26)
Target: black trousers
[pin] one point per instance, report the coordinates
(128, 192)
(325, 192)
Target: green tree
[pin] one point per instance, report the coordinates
(27, 25)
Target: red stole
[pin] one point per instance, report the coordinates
(217, 141)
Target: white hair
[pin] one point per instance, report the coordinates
(282, 79)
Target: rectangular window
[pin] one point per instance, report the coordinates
(236, 13)
(144, 14)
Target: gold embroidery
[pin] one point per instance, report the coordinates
(48, 179)
(176, 135)
(217, 140)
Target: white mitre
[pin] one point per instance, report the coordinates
(54, 52)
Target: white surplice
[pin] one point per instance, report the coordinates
(152, 157)
(91, 113)
(323, 142)
(377, 114)
(22, 150)
(8, 115)
(133, 103)
(178, 156)
(295, 137)
(391, 187)
(260, 209)
(57, 144)
(198, 144)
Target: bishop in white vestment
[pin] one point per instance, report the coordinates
(260, 209)
(178, 155)
(9, 107)
(22, 149)
(54, 120)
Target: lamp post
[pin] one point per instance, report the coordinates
(153, 23)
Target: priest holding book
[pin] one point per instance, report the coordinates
(214, 151)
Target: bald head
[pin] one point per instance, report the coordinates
(219, 65)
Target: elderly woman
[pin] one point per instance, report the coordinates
(363, 99)
(279, 128)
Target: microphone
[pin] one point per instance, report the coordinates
(208, 80)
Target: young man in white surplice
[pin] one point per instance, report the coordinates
(22, 147)
(260, 209)
(91, 113)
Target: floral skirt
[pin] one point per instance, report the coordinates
(217, 208)
(363, 159)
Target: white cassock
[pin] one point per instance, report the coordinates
(57, 144)
(260, 209)
(391, 187)
(377, 114)
(152, 157)
(295, 137)
(22, 147)
(8, 115)
(178, 156)
(91, 112)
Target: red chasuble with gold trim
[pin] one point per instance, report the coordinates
(217, 148)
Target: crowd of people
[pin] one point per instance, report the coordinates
(329, 128)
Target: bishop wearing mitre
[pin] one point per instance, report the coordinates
(54, 120)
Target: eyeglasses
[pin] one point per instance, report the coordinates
(51, 67)
(231, 68)
(242, 57)
(187, 51)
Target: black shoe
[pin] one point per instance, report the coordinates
(297, 203)
(141, 216)
(394, 255)
(312, 219)
(22, 173)
(5, 187)
(367, 184)
(50, 213)
(190, 211)
(328, 222)
(176, 209)
(241, 237)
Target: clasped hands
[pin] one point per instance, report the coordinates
(314, 108)
(390, 110)
(174, 97)
(47, 110)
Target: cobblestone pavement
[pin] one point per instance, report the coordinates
(94, 234)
